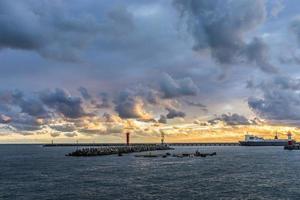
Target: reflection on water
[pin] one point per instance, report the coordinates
(34, 172)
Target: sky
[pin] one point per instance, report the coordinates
(194, 70)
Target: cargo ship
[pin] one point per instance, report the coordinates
(252, 140)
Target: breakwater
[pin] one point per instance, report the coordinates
(139, 144)
(110, 150)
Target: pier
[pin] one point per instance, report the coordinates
(110, 150)
(206, 144)
(139, 144)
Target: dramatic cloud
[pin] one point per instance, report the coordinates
(63, 103)
(175, 88)
(173, 113)
(220, 26)
(280, 99)
(152, 96)
(25, 124)
(130, 106)
(32, 112)
(30, 106)
(57, 30)
(231, 119)
(146, 65)
(257, 52)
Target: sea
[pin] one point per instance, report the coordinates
(29, 172)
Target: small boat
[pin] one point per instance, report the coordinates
(197, 154)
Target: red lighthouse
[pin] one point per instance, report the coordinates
(127, 138)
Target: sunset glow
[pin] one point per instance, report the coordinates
(195, 71)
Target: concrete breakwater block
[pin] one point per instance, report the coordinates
(101, 151)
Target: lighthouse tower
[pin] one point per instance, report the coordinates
(162, 138)
(290, 141)
(127, 138)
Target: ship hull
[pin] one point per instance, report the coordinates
(263, 143)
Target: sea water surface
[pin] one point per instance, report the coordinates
(35, 172)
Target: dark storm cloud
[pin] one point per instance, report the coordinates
(33, 112)
(280, 99)
(30, 106)
(58, 30)
(103, 102)
(21, 114)
(151, 95)
(24, 124)
(130, 106)
(33, 107)
(17, 31)
(220, 26)
(257, 52)
(171, 88)
(231, 119)
(63, 103)
(173, 113)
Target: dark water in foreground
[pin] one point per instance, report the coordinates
(33, 172)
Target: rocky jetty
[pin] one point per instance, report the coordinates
(102, 151)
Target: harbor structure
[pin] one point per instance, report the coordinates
(290, 140)
(252, 140)
(136, 144)
(110, 150)
(292, 145)
(127, 138)
(162, 138)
